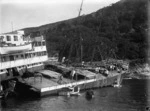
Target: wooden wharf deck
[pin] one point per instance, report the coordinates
(48, 86)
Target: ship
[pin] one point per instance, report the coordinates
(18, 53)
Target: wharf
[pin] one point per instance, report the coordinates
(50, 85)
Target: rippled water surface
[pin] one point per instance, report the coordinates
(134, 95)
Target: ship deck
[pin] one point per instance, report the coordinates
(38, 84)
(50, 85)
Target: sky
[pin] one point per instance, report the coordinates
(18, 14)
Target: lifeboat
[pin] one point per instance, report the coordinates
(14, 49)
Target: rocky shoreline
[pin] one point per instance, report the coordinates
(141, 71)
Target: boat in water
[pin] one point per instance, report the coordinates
(90, 94)
(70, 91)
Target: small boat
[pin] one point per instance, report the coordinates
(70, 91)
(75, 91)
(90, 94)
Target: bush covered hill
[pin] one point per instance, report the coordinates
(116, 31)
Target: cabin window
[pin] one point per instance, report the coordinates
(29, 55)
(38, 53)
(1, 38)
(36, 44)
(24, 39)
(16, 56)
(11, 58)
(44, 52)
(43, 43)
(22, 56)
(41, 53)
(15, 38)
(8, 38)
(39, 43)
(3, 59)
(32, 54)
(26, 55)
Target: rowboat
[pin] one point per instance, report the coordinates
(70, 91)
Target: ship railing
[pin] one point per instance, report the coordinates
(21, 62)
(14, 45)
(31, 66)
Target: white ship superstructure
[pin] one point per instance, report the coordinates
(18, 52)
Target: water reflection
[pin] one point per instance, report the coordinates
(138, 93)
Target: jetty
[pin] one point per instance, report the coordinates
(53, 81)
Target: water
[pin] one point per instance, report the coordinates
(134, 95)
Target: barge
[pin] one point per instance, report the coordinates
(54, 83)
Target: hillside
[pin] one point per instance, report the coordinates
(117, 31)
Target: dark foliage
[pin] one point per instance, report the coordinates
(116, 31)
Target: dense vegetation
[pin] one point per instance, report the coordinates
(117, 31)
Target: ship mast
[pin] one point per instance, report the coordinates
(81, 39)
(80, 50)
(80, 9)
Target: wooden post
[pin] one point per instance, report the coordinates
(76, 77)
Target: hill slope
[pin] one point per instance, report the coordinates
(116, 31)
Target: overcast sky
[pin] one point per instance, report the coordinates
(32, 13)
